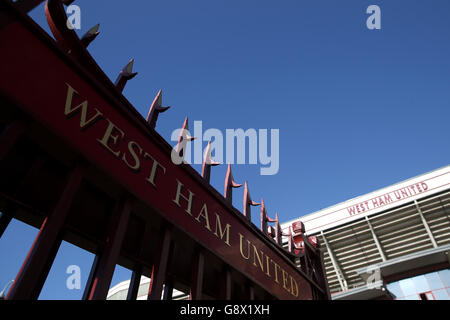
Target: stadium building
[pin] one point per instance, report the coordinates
(120, 291)
(392, 243)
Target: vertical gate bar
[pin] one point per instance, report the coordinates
(227, 285)
(10, 136)
(46, 267)
(197, 277)
(88, 286)
(251, 293)
(160, 267)
(136, 277)
(135, 282)
(168, 290)
(29, 280)
(169, 281)
(106, 263)
(145, 243)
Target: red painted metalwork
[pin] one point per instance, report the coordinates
(137, 269)
(248, 203)
(158, 277)
(125, 75)
(88, 113)
(197, 276)
(106, 262)
(278, 232)
(135, 282)
(65, 37)
(183, 139)
(251, 293)
(90, 36)
(229, 185)
(155, 109)
(208, 162)
(265, 219)
(227, 284)
(168, 290)
(68, 41)
(34, 271)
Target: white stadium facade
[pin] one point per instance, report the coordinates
(120, 291)
(392, 243)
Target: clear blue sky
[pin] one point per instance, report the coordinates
(357, 109)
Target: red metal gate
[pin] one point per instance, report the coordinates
(108, 185)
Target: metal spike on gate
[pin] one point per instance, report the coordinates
(248, 202)
(125, 75)
(229, 185)
(208, 162)
(90, 36)
(290, 242)
(184, 137)
(265, 218)
(155, 109)
(278, 232)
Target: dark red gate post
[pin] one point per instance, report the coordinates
(135, 282)
(197, 276)
(31, 277)
(105, 262)
(168, 289)
(251, 293)
(225, 293)
(136, 276)
(160, 266)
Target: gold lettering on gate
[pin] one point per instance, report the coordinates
(222, 232)
(110, 137)
(134, 157)
(137, 162)
(241, 237)
(70, 111)
(256, 256)
(188, 199)
(155, 166)
(204, 213)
